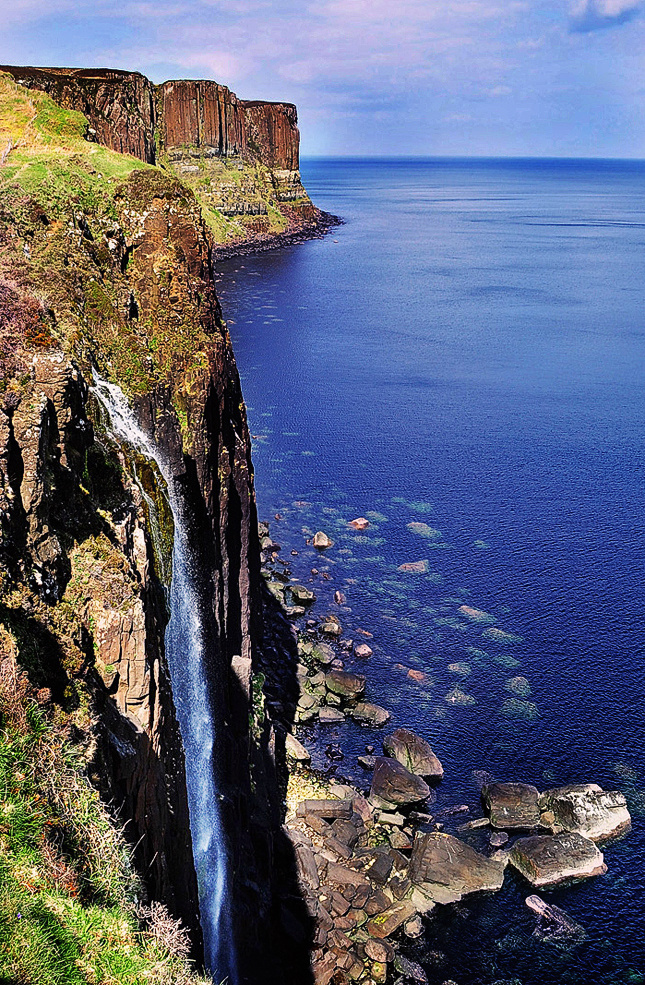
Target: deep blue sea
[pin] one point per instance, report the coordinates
(466, 354)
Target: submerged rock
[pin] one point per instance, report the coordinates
(413, 752)
(457, 696)
(424, 530)
(546, 860)
(463, 669)
(475, 615)
(588, 809)
(519, 686)
(393, 785)
(414, 567)
(511, 805)
(525, 711)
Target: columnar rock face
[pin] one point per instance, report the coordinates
(186, 120)
(120, 106)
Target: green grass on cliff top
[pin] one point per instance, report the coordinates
(43, 154)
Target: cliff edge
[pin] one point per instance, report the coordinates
(106, 265)
(241, 158)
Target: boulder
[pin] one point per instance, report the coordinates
(446, 868)
(330, 716)
(329, 809)
(378, 950)
(322, 541)
(323, 654)
(410, 970)
(546, 860)
(360, 523)
(588, 809)
(368, 714)
(512, 805)
(386, 923)
(295, 749)
(392, 785)
(363, 651)
(302, 595)
(331, 628)
(413, 752)
(553, 923)
(345, 684)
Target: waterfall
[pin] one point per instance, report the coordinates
(185, 654)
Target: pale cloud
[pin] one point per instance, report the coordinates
(595, 15)
(430, 71)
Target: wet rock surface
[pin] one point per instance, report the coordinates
(588, 809)
(546, 860)
(413, 752)
(393, 785)
(511, 805)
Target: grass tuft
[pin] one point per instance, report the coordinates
(70, 903)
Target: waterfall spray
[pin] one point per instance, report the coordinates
(185, 654)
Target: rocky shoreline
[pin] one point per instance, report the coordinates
(374, 863)
(320, 226)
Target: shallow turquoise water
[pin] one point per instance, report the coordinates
(467, 352)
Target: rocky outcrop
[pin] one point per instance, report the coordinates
(118, 277)
(88, 616)
(546, 860)
(241, 157)
(119, 106)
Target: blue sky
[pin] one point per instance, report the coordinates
(393, 77)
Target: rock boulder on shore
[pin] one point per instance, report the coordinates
(393, 785)
(446, 868)
(511, 805)
(546, 860)
(588, 809)
(369, 714)
(414, 753)
(345, 684)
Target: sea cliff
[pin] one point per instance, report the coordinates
(241, 158)
(106, 266)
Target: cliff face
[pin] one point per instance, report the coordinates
(105, 263)
(241, 158)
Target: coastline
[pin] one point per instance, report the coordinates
(323, 224)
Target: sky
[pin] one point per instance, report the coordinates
(379, 77)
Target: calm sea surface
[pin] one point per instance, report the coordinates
(467, 354)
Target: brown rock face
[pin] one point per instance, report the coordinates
(109, 625)
(126, 111)
(120, 106)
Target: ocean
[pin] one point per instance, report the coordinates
(462, 362)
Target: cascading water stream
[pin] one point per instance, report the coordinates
(184, 643)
